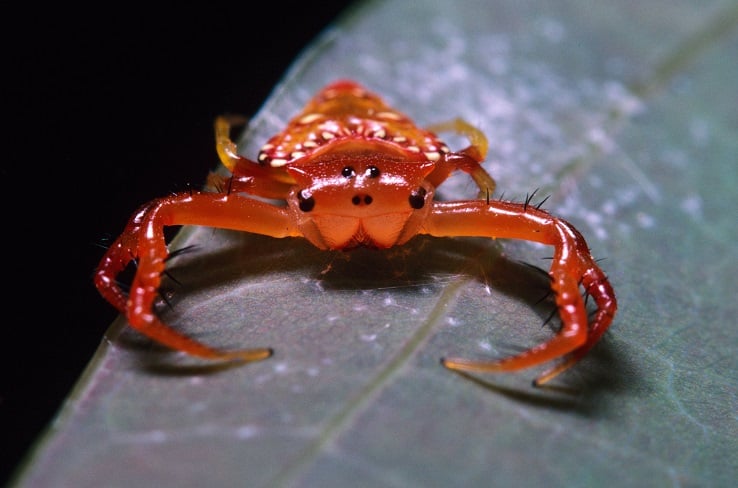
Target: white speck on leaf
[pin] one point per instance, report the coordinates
(247, 431)
(644, 220)
(692, 206)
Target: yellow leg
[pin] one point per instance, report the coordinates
(461, 126)
(227, 149)
(478, 150)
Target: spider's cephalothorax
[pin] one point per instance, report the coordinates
(351, 172)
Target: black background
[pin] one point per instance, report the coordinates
(106, 109)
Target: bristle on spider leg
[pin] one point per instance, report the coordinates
(528, 198)
(536, 268)
(169, 275)
(124, 287)
(545, 297)
(540, 204)
(550, 317)
(103, 243)
(586, 296)
(163, 297)
(182, 250)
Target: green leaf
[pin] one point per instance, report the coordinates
(626, 114)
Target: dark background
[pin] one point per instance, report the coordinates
(106, 110)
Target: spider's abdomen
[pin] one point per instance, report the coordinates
(345, 111)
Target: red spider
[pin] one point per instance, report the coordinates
(351, 172)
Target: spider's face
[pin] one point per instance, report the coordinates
(360, 198)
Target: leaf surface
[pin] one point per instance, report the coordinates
(625, 114)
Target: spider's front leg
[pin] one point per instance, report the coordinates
(572, 266)
(143, 241)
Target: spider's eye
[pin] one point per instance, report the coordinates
(305, 201)
(417, 198)
(348, 172)
(372, 172)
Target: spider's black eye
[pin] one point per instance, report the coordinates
(305, 201)
(372, 172)
(417, 198)
(348, 172)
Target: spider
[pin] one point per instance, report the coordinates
(350, 171)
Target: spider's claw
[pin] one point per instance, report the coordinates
(245, 355)
(554, 371)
